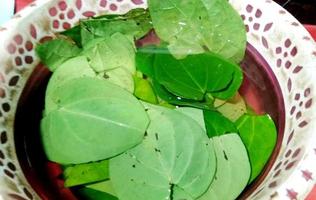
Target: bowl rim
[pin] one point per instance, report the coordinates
(279, 27)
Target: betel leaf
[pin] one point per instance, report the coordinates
(216, 124)
(232, 108)
(233, 168)
(193, 76)
(135, 25)
(73, 68)
(190, 27)
(144, 61)
(93, 120)
(132, 14)
(111, 52)
(144, 91)
(175, 153)
(74, 34)
(165, 95)
(90, 194)
(145, 58)
(113, 58)
(104, 186)
(54, 52)
(179, 194)
(259, 135)
(233, 86)
(119, 76)
(196, 114)
(86, 173)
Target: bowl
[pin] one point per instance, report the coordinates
(279, 68)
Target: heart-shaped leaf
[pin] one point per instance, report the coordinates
(55, 52)
(136, 24)
(111, 52)
(104, 186)
(190, 27)
(232, 109)
(144, 90)
(195, 75)
(73, 68)
(93, 120)
(196, 114)
(91, 194)
(216, 124)
(86, 173)
(259, 134)
(233, 168)
(175, 153)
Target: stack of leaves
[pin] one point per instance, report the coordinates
(158, 121)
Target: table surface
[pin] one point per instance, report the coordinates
(293, 6)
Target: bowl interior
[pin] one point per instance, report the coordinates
(260, 90)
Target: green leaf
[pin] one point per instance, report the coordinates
(132, 14)
(190, 27)
(144, 90)
(145, 59)
(175, 152)
(110, 53)
(73, 68)
(216, 124)
(54, 52)
(119, 76)
(175, 100)
(231, 109)
(233, 169)
(93, 120)
(196, 114)
(86, 173)
(180, 194)
(113, 58)
(74, 34)
(90, 194)
(233, 87)
(104, 186)
(135, 25)
(259, 135)
(193, 76)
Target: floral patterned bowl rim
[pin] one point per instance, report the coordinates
(279, 37)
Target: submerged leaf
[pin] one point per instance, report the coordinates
(175, 100)
(94, 119)
(191, 27)
(113, 58)
(90, 194)
(76, 67)
(216, 124)
(74, 34)
(259, 135)
(136, 24)
(233, 168)
(54, 52)
(195, 75)
(175, 152)
(119, 76)
(145, 60)
(231, 109)
(233, 86)
(104, 186)
(111, 52)
(86, 173)
(196, 114)
(144, 90)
